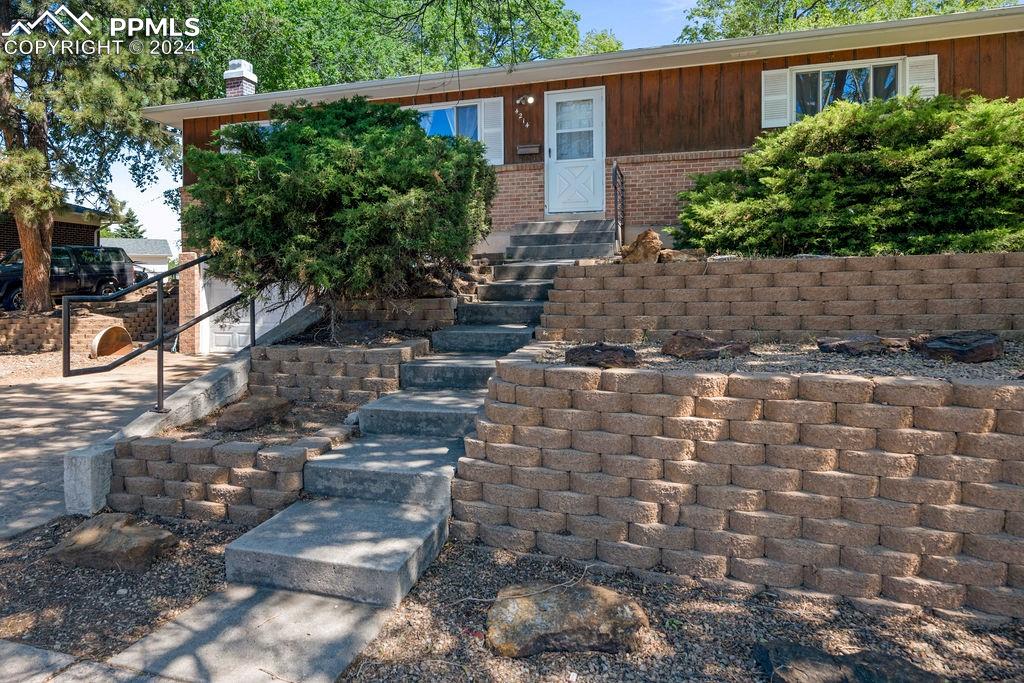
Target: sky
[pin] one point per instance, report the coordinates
(637, 23)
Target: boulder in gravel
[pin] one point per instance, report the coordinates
(644, 249)
(527, 619)
(697, 346)
(672, 255)
(856, 345)
(787, 662)
(962, 347)
(602, 355)
(112, 540)
(253, 412)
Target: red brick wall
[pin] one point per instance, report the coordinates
(654, 181)
(63, 234)
(520, 195)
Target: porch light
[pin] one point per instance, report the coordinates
(524, 99)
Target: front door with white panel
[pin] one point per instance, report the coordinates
(574, 155)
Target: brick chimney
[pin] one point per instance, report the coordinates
(239, 79)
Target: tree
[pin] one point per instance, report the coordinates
(348, 199)
(66, 118)
(127, 226)
(305, 43)
(718, 19)
(598, 42)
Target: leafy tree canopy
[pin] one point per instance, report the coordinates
(597, 42)
(718, 19)
(902, 175)
(348, 199)
(305, 43)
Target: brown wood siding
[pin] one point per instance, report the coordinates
(716, 106)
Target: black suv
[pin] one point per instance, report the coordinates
(73, 270)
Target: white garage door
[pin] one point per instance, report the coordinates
(220, 335)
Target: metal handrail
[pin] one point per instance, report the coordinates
(162, 335)
(619, 198)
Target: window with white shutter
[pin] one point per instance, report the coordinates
(482, 120)
(788, 95)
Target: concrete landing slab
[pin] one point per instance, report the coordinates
(436, 412)
(371, 551)
(448, 371)
(21, 663)
(255, 634)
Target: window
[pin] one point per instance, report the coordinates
(463, 119)
(61, 259)
(819, 87)
(787, 95)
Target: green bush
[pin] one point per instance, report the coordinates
(906, 175)
(344, 200)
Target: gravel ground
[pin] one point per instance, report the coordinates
(807, 358)
(302, 420)
(696, 633)
(95, 613)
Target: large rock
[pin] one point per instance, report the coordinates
(786, 662)
(644, 249)
(253, 412)
(962, 347)
(602, 355)
(697, 346)
(532, 618)
(856, 345)
(672, 255)
(112, 540)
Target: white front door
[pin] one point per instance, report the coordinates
(574, 155)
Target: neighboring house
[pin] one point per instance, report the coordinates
(553, 127)
(151, 254)
(75, 225)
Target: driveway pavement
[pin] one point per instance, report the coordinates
(40, 420)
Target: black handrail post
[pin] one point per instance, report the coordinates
(252, 322)
(65, 335)
(160, 347)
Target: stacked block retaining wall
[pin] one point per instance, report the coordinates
(403, 314)
(331, 374)
(788, 299)
(205, 479)
(909, 489)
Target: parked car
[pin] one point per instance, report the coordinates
(73, 270)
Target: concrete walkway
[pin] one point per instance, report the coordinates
(41, 420)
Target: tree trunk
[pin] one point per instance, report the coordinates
(36, 240)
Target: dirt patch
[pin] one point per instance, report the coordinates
(437, 633)
(303, 420)
(16, 368)
(802, 358)
(357, 333)
(95, 613)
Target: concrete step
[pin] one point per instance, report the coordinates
(399, 469)
(498, 312)
(568, 251)
(439, 412)
(561, 226)
(540, 270)
(369, 551)
(555, 238)
(484, 338)
(515, 290)
(448, 371)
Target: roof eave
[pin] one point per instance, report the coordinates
(984, 22)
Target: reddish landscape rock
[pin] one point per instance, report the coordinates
(962, 347)
(697, 346)
(112, 540)
(644, 249)
(253, 412)
(602, 355)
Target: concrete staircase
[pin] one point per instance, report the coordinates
(384, 515)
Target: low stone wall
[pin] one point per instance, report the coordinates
(38, 333)
(908, 489)
(205, 479)
(331, 374)
(403, 314)
(788, 299)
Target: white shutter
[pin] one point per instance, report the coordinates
(775, 102)
(923, 73)
(492, 129)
